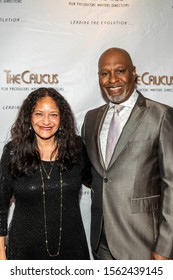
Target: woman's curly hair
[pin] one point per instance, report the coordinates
(25, 156)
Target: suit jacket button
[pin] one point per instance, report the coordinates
(105, 180)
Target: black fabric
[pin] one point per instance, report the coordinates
(26, 236)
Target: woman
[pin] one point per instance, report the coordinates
(43, 168)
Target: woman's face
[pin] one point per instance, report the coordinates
(45, 118)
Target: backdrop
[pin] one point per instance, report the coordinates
(57, 44)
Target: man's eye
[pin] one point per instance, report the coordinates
(103, 74)
(121, 71)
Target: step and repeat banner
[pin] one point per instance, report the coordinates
(50, 43)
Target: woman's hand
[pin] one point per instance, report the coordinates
(2, 248)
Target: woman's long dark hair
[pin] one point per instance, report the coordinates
(25, 155)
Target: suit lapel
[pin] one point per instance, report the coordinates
(138, 113)
(100, 118)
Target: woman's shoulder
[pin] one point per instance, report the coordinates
(6, 158)
(79, 139)
(80, 143)
(8, 148)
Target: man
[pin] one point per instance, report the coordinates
(132, 193)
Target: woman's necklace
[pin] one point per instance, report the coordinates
(49, 173)
(45, 217)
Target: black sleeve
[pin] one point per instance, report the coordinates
(5, 189)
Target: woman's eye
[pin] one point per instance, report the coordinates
(38, 114)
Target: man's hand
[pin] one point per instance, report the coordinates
(155, 256)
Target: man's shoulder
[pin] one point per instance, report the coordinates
(96, 109)
(158, 104)
(154, 103)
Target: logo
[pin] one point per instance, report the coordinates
(148, 79)
(27, 77)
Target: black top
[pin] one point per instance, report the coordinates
(26, 236)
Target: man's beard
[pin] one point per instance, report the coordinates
(117, 98)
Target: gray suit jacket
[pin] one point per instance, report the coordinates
(134, 195)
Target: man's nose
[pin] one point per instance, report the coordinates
(113, 78)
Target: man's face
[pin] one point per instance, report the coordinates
(116, 75)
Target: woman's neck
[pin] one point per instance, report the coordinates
(46, 149)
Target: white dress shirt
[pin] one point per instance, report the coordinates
(124, 115)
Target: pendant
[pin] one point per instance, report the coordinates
(48, 177)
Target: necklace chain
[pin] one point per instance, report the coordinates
(48, 174)
(45, 216)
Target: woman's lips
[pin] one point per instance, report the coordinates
(45, 127)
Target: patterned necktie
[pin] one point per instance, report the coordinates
(113, 133)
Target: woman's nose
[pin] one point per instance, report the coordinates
(46, 119)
